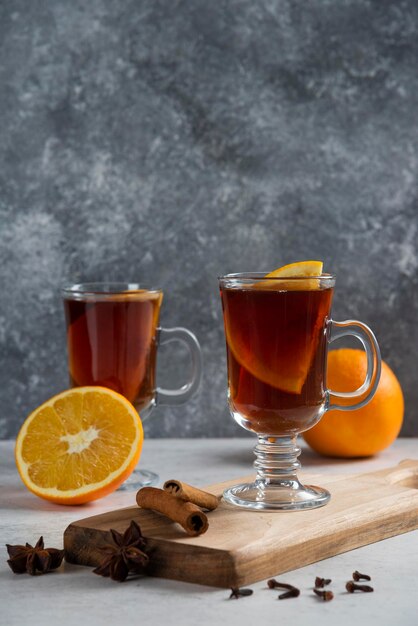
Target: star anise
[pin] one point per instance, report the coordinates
(124, 555)
(33, 559)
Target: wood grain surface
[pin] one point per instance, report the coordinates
(242, 547)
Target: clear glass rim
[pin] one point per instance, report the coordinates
(251, 276)
(105, 289)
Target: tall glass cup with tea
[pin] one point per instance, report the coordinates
(113, 335)
(278, 328)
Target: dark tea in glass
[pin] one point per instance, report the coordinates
(112, 342)
(276, 351)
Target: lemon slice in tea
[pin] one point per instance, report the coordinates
(298, 270)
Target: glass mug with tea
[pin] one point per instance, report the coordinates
(113, 335)
(278, 329)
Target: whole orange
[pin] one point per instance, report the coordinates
(365, 431)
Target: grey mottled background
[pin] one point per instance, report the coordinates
(170, 141)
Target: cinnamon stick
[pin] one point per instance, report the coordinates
(188, 515)
(191, 494)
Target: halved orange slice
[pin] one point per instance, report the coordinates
(80, 445)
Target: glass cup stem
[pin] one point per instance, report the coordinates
(276, 485)
(276, 461)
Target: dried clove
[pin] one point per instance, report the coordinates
(352, 587)
(292, 592)
(321, 582)
(325, 595)
(357, 576)
(237, 593)
(275, 584)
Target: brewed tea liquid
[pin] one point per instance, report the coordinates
(276, 350)
(112, 342)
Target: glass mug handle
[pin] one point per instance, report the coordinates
(179, 396)
(365, 335)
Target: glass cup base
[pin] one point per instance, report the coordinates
(139, 479)
(289, 496)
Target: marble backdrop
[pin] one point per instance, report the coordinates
(171, 141)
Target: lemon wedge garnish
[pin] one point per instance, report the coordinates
(298, 270)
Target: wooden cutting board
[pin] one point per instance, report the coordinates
(242, 547)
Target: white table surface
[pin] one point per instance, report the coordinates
(73, 595)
